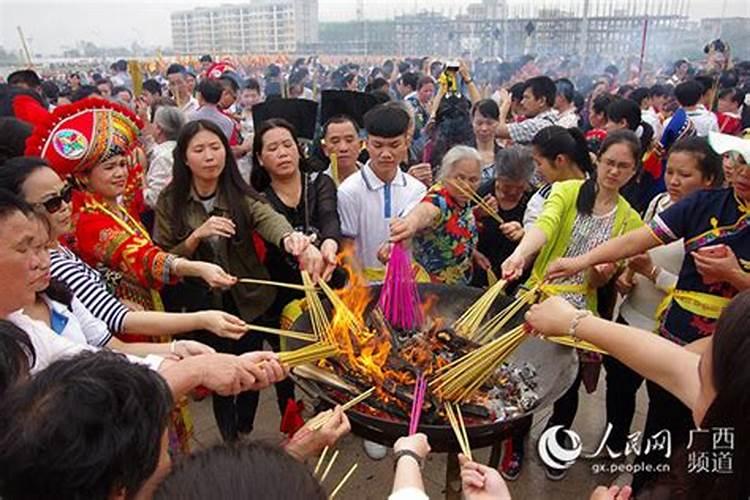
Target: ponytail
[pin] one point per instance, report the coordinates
(556, 140)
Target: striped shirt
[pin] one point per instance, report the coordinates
(88, 286)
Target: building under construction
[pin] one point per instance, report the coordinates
(496, 29)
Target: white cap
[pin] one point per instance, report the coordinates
(724, 143)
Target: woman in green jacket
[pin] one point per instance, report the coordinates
(578, 216)
(209, 213)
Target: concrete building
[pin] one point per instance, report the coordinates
(263, 27)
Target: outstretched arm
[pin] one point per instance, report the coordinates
(671, 366)
(629, 244)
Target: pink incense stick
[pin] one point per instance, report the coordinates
(417, 403)
(399, 297)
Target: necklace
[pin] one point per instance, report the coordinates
(127, 222)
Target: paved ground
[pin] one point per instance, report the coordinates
(373, 478)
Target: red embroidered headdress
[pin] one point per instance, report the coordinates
(77, 137)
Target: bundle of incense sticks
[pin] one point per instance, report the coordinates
(318, 318)
(307, 354)
(399, 297)
(456, 419)
(491, 328)
(420, 388)
(355, 325)
(459, 380)
(309, 337)
(321, 419)
(470, 320)
(466, 190)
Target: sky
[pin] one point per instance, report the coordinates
(52, 25)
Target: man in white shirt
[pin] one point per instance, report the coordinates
(567, 113)
(689, 95)
(380, 192)
(178, 87)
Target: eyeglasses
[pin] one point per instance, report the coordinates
(54, 204)
(611, 163)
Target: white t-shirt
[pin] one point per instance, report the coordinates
(49, 346)
(81, 326)
(366, 206)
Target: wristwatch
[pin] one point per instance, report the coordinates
(407, 453)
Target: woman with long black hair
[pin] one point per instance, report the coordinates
(209, 212)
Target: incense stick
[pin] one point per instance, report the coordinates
(307, 354)
(473, 196)
(282, 333)
(252, 281)
(320, 461)
(328, 467)
(323, 418)
(343, 481)
(420, 387)
(458, 430)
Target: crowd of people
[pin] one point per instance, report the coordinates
(133, 205)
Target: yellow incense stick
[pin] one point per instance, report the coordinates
(343, 481)
(329, 466)
(282, 333)
(281, 284)
(320, 461)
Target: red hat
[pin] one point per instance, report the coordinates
(76, 137)
(216, 70)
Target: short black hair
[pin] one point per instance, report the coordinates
(83, 92)
(17, 355)
(602, 102)
(542, 87)
(487, 108)
(252, 84)
(13, 135)
(410, 79)
(176, 68)
(565, 88)
(11, 204)
(206, 58)
(734, 94)
(121, 88)
(339, 119)
(709, 161)
(83, 427)
(24, 76)
(152, 86)
(639, 94)
(379, 83)
(625, 109)
(228, 79)
(242, 472)
(50, 90)
(658, 90)
(689, 93)
(120, 65)
(386, 121)
(706, 81)
(210, 90)
(516, 91)
(425, 80)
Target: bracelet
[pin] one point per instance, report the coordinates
(468, 81)
(407, 453)
(172, 346)
(576, 320)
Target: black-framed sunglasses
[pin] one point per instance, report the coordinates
(55, 203)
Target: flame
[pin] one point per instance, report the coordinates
(365, 350)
